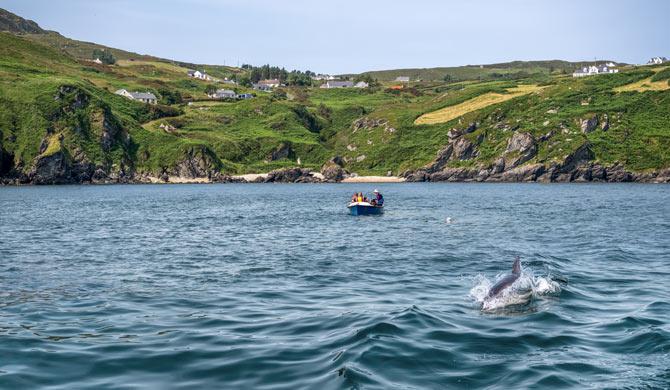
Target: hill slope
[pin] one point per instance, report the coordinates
(60, 122)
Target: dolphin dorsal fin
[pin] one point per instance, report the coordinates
(516, 267)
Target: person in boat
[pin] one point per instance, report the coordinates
(354, 198)
(360, 197)
(379, 201)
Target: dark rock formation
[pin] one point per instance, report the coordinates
(291, 175)
(463, 149)
(282, 151)
(332, 172)
(590, 124)
(524, 145)
(198, 162)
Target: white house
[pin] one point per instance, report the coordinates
(594, 70)
(144, 97)
(97, 61)
(337, 84)
(361, 84)
(657, 61)
(402, 79)
(196, 74)
(320, 77)
(267, 85)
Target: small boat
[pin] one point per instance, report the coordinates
(364, 208)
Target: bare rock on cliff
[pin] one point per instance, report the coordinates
(589, 125)
(282, 151)
(291, 175)
(524, 144)
(529, 172)
(463, 149)
(198, 162)
(332, 172)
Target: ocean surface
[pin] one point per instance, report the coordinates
(275, 286)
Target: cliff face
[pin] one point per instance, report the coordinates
(17, 25)
(514, 164)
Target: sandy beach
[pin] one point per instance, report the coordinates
(374, 179)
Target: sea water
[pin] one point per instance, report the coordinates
(275, 286)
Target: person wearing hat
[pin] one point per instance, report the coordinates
(380, 199)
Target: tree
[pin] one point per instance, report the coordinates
(210, 89)
(244, 81)
(105, 56)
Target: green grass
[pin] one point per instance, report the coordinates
(316, 124)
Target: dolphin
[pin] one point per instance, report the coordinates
(507, 281)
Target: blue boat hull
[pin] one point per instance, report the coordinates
(365, 210)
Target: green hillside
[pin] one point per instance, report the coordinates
(61, 121)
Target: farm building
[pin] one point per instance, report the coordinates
(594, 70)
(144, 97)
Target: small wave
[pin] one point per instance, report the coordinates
(518, 296)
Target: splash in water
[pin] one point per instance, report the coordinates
(520, 294)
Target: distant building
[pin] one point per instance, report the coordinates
(244, 96)
(227, 81)
(223, 94)
(594, 70)
(657, 61)
(267, 85)
(337, 84)
(402, 79)
(97, 61)
(320, 77)
(196, 74)
(397, 87)
(361, 84)
(144, 97)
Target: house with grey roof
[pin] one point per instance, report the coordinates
(144, 97)
(337, 84)
(402, 79)
(223, 94)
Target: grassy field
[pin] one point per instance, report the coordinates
(452, 112)
(56, 100)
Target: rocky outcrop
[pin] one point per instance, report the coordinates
(522, 147)
(332, 172)
(282, 151)
(590, 124)
(198, 162)
(291, 175)
(463, 149)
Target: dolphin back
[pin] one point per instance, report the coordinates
(516, 267)
(507, 280)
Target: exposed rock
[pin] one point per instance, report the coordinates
(198, 162)
(360, 158)
(291, 175)
(588, 125)
(578, 157)
(525, 145)
(605, 125)
(282, 151)
(333, 172)
(498, 166)
(528, 172)
(52, 169)
(454, 174)
(454, 133)
(337, 160)
(443, 156)
(463, 149)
